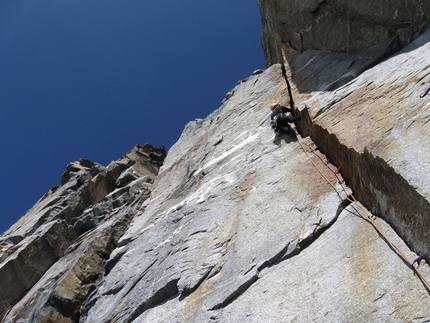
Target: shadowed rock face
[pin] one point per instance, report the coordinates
(380, 141)
(339, 25)
(359, 103)
(240, 225)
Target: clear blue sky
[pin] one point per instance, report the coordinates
(90, 79)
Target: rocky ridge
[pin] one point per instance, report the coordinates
(239, 225)
(55, 254)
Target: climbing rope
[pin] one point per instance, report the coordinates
(350, 197)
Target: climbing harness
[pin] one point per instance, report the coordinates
(350, 197)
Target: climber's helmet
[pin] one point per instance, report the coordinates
(273, 106)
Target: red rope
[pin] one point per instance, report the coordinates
(350, 197)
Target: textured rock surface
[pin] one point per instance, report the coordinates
(74, 226)
(226, 205)
(231, 207)
(354, 282)
(383, 131)
(340, 25)
(239, 225)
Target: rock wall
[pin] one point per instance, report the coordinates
(379, 142)
(239, 225)
(383, 95)
(54, 255)
(340, 25)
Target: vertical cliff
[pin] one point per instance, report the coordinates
(237, 224)
(340, 25)
(365, 118)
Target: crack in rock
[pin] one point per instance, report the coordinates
(292, 249)
(163, 294)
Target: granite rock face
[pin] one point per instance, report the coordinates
(241, 225)
(54, 255)
(237, 224)
(340, 25)
(381, 140)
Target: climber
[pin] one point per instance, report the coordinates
(281, 117)
(417, 260)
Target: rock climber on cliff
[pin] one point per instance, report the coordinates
(281, 117)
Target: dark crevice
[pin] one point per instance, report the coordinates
(319, 7)
(111, 262)
(239, 291)
(275, 259)
(188, 291)
(65, 307)
(296, 247)
(169, 291)
(142, 275)
(374, 181)
(425, 93)
(290, 93)
(303, 244)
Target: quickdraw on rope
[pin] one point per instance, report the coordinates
(350, 197)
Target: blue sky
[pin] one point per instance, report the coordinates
(91, 79)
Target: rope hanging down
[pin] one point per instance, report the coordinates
(350, 197)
